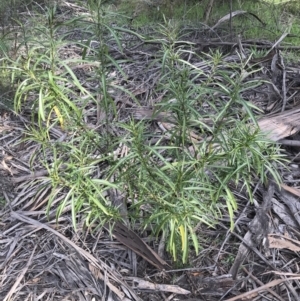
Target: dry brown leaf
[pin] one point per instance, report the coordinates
(5, 128)
(276, 130)
(95, 272)
(5, 167)
(293, 190)
(283, 242)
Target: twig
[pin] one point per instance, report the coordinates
(289, 142)
(283, 83)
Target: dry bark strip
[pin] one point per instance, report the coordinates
(258, 231)
(132, 241)
(253, 293)
(290, 201)
(139, 283)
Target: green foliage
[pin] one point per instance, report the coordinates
(189, 175)
(45, 80)
(47, 84)
(186, 181)
(278, 16)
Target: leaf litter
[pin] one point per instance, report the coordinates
(45, 259)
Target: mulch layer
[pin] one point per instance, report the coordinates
(42, 258)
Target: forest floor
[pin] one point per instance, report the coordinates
(44, 258)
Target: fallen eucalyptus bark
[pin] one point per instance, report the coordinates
(257, 233)
(147, 285)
